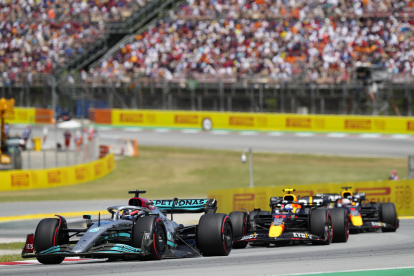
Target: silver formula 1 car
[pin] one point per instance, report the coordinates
(139, 230)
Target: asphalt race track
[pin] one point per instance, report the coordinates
(363, 251)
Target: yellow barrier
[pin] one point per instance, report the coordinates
(399, 192)
(262, 121)
(21, 115)
(55, 177)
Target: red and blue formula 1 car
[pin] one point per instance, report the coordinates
(291, 219)
(138, 230)
(364, 215)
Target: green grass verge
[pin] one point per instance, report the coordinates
(12, 246)
(166, 172)
(11, 257)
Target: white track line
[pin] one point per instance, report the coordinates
(304, 134)
(337, 135)
(133, 129)
(275, 133)
(248, 133)
(220, 132)
(400, 136)
(190, 131)
(345, 271)
(370, 135)
(162, 130)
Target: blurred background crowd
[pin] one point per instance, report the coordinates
(321, 41)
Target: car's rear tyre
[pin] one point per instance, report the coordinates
(47, 236)
(214, 235)
(155, 226)
(318, 219)
(340, 224)
(389, 216)
(238, 221)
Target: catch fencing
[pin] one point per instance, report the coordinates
(76, 95)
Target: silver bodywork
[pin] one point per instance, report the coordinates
(112, 237)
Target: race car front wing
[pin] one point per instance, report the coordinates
(288, 236)
(373, 225)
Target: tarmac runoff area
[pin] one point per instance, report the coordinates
(364, 253)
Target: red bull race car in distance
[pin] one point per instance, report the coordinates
(138, 230)
(364, 215)
(292, 219)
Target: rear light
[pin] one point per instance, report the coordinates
(29, 246)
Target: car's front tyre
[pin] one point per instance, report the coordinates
(215, 235)
(156, 228)
(47, 236)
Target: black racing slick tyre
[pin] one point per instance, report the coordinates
(214, 235)
(47, 236)
(389, 216)
(318, 219)
(238, 221)
(340, 224)
(156, 229)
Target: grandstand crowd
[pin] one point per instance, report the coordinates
(321, 41)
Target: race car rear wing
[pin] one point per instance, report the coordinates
(306, 201)
(180, 206)
(357, 197)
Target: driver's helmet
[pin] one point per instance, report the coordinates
(346, 201)
(129, 214)
(288, 207)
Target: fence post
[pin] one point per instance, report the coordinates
(54, 117)
(28, 95)
(170, 101)
(229, 103)
(221, 95)
(134, 97)
(282, 98)
(322, 105)
(252, 97)
(261, 97)
(344, 94)
(44, 159)
(200, 103)
(313, 100)
(192, 98)
(387, 111)
(409, 102)
(110, 95)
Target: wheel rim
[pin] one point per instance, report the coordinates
(228, 236)
(330, 229)
(160, 240)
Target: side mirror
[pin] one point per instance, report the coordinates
(243, 158)
(87, 217)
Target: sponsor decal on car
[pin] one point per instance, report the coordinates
(302, 235)
(378, 224)
(181, 203)
(248, 237)
(95, 229)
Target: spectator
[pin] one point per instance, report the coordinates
(67, 135)
(394, 175)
